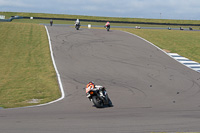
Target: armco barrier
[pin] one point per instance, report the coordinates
(11, 18)
(127, 22)
(90, 20)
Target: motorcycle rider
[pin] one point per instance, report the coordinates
(91, 86)
(77, 22)
(107, 24)
(51, 22)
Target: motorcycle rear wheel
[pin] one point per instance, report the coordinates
(110, 102)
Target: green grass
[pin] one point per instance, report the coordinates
(26, 70)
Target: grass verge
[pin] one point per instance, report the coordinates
(26, 71)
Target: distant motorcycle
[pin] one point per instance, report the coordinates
(107, 27)
(77, 26)
(99, 97)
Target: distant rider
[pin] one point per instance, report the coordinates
(51, 22)
(107, 24)
(77, 22)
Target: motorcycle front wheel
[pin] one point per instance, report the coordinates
(97, 102)
(77, 27)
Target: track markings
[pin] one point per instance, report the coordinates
(185, 61)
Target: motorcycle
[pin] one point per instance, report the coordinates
(107, 27)
(77, 26)
(99, 97)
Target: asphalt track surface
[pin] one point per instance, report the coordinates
(150, 91)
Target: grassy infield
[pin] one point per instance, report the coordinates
(26, 70)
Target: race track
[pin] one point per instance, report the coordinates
(151, 92)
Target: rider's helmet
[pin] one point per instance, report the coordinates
(77, 21)
(91, 82)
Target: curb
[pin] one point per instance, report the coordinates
(185, 61)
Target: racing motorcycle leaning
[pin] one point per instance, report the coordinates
(107, 26)
(99, 97)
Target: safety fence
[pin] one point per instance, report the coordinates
(91, 20)
(126, 22)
